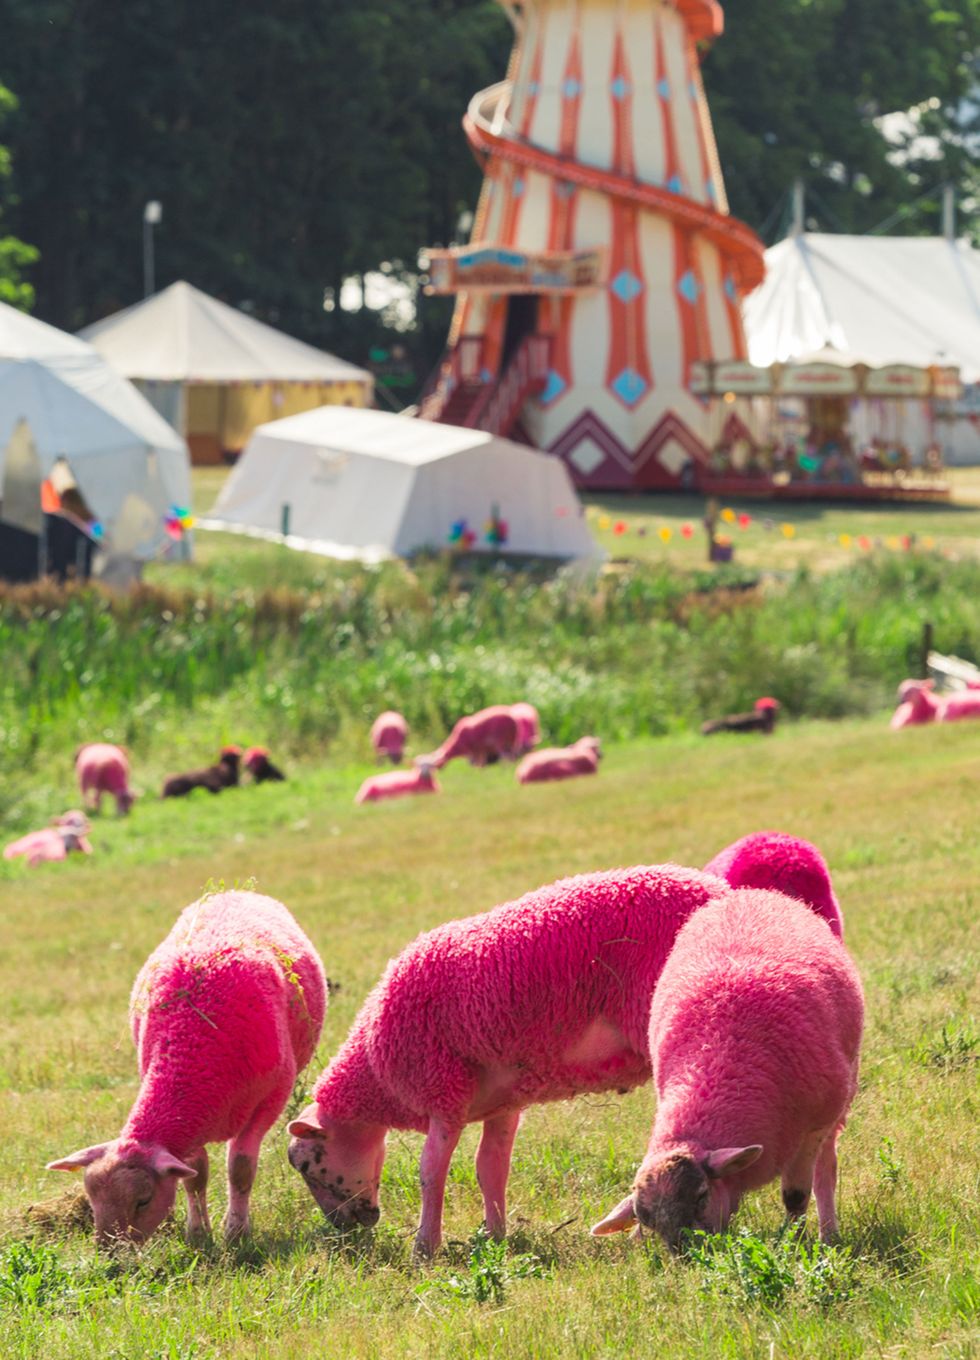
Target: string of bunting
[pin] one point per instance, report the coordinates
(177, 521)
(743, 521)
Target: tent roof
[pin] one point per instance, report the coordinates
(350, 483)
(183, 335)
(24, 337)
(375, 434)
(884, 299)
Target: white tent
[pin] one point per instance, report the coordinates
(216, 373)
(368, 485)
(877, 299)
(79, 409)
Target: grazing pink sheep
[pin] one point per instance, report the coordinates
(389, 732)
(397, 784)
(224, 1013)
(560, 762)
(483, 738)
(769, 859)
(102, 768)
(540, 999)
(755, 1032)
(69, 832)
(528, 726)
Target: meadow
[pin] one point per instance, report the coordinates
(256, 643)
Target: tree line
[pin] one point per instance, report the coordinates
(294, 145)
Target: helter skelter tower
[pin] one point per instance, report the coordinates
(603, 262)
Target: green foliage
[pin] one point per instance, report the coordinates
(950, 1050)
(15, 256)
(754, 1270)
(890, 1167)
(492, 1268)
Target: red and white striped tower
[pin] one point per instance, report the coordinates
(603, 226)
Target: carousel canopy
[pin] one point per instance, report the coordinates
(883, 300)
(183, 335)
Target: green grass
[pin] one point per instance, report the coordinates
(895, 815)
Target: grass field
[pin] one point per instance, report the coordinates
(896, 817)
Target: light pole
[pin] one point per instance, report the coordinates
(152, 213)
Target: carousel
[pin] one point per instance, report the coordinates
(825, 428)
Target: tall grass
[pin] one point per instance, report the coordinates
(642, 650)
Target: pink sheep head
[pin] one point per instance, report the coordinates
(788, 864)
(917, 704)
(686, 1189)
(767, 703)
(130, 1186)
(341, 1162)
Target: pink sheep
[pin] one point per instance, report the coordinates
(396, 784)
(69, 832)
(528, 726)
(755, 1032)
(483, 738)
(918, 703)
(560, 762)
(224, 1013)
(540, 999)
(770, 859)
(389, 732)
(102, 768)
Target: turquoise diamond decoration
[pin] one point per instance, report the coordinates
(518, 188)
(688, 287)
(675, 184)
(553, 388)
(571, 88)
(731, 291)
(626, 286)
(620, 88)
(629, 386)
(663, 88)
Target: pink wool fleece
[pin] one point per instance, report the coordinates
(103, 768)
(389, 733)
(224, 1013)
(539, 999)
(482, 738)
(755, 1033)
(559, 762)
(397, 784)
(771, 859)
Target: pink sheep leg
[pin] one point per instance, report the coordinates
(754, 987)
(540, 999)
(389, 732)
(483, 738)
(102, 768)
(224, 1013)
(770, 859)
(560, 762)
(70, 832)
(397, 784)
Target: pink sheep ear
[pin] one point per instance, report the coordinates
(306, 1125)
(77, 1161)
(729, 1161)
(164, 1163)
(620, 1219)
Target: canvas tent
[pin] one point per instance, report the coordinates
(128, 463)
(878, 300)
(368, 485)
(216, 373)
